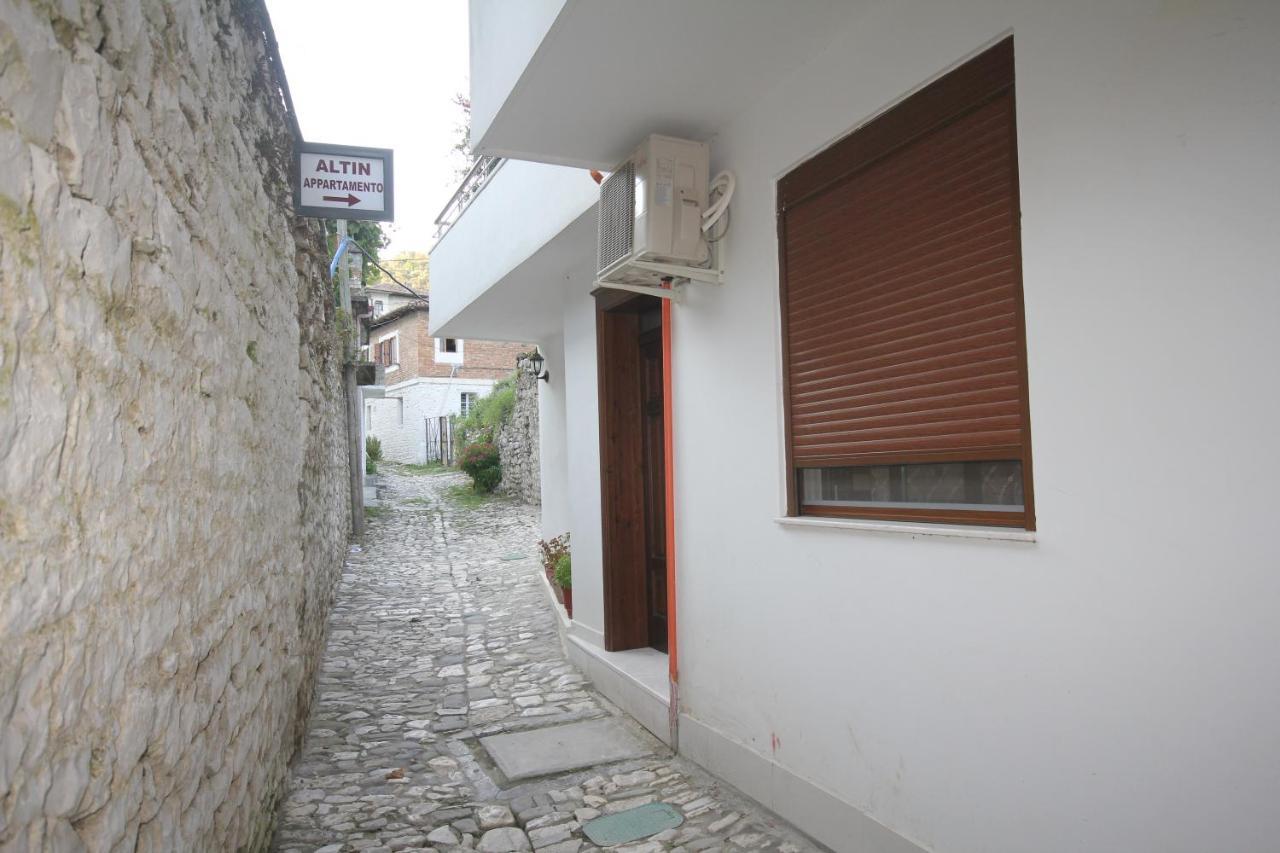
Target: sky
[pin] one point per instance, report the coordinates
(382, 73)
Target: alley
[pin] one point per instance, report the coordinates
(441, 634)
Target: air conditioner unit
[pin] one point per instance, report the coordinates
(651, 214)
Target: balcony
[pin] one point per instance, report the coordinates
(578, 82)
(510, 245)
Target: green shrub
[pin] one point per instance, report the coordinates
(564, 571)
(488, 413)
(481, 463)
(370, 467)
(424, 468)
(467, 497)
(373, 448)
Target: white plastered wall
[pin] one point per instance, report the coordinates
(553, 451)
(399, 418)
(1112, 685)
(582, 430)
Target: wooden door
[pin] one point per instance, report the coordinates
(655, 516)
(632, 469)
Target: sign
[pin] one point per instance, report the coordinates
(343, 182)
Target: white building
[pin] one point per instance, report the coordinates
(384, 297)
(428, 380)
(969, 242)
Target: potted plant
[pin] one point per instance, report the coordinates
(564, 579)
(552, 551)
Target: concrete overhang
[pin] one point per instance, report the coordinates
(500, 272)
(581, 82)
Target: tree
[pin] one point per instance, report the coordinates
(367, 234)
(462, 153)
(411, 267)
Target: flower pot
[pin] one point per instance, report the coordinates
(568, 600)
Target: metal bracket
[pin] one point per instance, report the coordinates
(680, 275)
(708, 275)
(672, 292)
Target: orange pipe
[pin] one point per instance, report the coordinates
(669, 481)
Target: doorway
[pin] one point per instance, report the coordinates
(632, 472)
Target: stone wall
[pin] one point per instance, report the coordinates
(518, 444)
(172, 455)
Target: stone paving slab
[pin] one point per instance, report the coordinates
(541, 752)
(441, 638)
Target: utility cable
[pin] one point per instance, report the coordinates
(370, 259)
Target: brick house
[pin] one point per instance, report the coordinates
(426, 378)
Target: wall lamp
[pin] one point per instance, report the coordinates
(532, 365)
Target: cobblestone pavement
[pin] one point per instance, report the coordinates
(442, 633)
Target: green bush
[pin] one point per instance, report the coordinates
(488, 413)
(370, 467)
(564, 571)
(373, 448)
(481, 463)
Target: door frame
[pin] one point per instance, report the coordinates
(622, 489)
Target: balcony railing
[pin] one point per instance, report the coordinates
(472, 184)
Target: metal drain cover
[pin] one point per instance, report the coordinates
(633, 824)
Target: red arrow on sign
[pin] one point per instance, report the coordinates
(348, 198)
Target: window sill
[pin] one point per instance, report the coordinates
(910, 529)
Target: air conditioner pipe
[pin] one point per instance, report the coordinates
(724, 183)
(669, 484)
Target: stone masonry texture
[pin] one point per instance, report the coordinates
(518, 444)
(443, 634)
(172, 442)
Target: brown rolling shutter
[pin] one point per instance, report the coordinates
(901, 284)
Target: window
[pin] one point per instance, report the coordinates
(377, 308)
(388, 351)
(449, 350)
(468, 400)
(903, 333)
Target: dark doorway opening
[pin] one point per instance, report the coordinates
(632, 472)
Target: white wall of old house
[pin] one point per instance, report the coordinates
(398, 420)
(1110, 685)
(390, 300)
(583, 471)
(553, 449)
(503, 37)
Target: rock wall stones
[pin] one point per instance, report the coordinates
(172, 455)
(518, 444)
